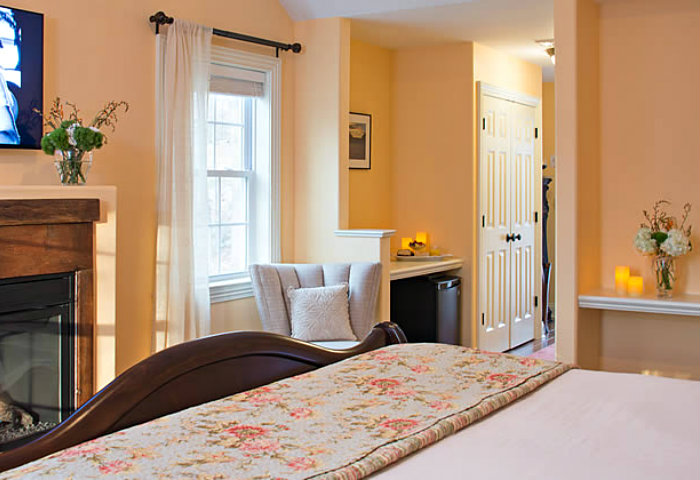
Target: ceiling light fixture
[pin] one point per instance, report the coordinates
(548, 47)
(550, 52)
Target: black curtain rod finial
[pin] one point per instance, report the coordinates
(160, 18)
(296, 47)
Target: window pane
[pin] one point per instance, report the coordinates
(233, 200)
(210, 146)
(229, 108)
(211, 107)
(229, 147)
(214, 199)
(214, 251)
(233, 249)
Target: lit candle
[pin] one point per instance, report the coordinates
(635, 286)
(622, 275)
(406, 242)
(422, 237)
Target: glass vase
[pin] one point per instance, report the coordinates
(665, 275)
(73, 166)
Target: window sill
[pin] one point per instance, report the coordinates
(228, 290)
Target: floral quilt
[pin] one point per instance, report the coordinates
(343, 421)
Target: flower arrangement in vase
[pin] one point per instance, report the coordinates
(663, 238)
(71, 142)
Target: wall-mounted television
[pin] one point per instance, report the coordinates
(21, 78)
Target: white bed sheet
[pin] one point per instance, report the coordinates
(582, 425)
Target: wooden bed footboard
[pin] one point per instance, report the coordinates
(190, 374)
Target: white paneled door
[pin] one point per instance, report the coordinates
(509, 175)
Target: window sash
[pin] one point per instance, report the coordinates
(247, 174)
(266, 143)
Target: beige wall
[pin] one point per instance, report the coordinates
(650, 149)
(322, 102)
(650, 119)
(502, 70)
(576, 71)
(667, 345)
(548, 151)
(433, 125)
(97, 51)
(627, 117)
(371, 92)
(237, 315)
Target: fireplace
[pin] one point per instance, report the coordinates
(37, 338)
(47, 313)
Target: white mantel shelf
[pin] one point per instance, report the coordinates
(688, 305)
(407, 269)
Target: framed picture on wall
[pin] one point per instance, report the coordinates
(360, 140)
(21, 77)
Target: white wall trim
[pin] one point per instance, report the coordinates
(227, 291)
(368, 233)
(505, 94)
(679, 305)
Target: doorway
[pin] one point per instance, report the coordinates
(509, 205)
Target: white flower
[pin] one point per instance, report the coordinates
(70, 131)
(644, 242)
(676, 244)
(94, 129)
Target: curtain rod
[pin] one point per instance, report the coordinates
(161, 18)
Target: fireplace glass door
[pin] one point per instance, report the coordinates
(37, 335)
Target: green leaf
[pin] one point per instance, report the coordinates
(660, 237)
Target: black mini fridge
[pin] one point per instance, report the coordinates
(427, 308)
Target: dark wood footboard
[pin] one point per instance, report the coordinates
(190, 374)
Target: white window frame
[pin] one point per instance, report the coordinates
(241, 286)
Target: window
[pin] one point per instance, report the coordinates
(242, 166)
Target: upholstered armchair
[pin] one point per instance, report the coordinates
(271, 284)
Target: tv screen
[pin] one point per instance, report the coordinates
(21, 77)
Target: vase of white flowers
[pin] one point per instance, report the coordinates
(663, 238)
(71, 142)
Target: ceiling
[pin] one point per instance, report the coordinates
(508, 25)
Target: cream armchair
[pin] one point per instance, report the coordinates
(271, 281)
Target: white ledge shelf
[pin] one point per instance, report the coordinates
(688, 305)
(366, 233)
(407, 269)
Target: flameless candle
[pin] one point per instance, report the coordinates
(622, 275)
(422, 237)
(635, 286)
(405, 242)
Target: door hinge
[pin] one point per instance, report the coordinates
(483, 322)
(483, 221)
(537, 216)
(537, 300)
(483, 123)
(536, 132)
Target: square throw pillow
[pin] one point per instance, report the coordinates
(321, 313)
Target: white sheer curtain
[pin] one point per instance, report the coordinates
(182, 84)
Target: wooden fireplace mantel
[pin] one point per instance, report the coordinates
(45, 236)
(44, 211)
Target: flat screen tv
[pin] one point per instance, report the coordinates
(21, 77)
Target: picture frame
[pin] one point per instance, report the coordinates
(21, 78)
(360, 140)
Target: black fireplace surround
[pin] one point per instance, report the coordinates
(37, 359)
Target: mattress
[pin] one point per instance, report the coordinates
(582, 425)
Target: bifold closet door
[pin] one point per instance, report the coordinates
(522, 249)
(507, 235)
(495, 201)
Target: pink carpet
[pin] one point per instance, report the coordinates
(546, 353)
